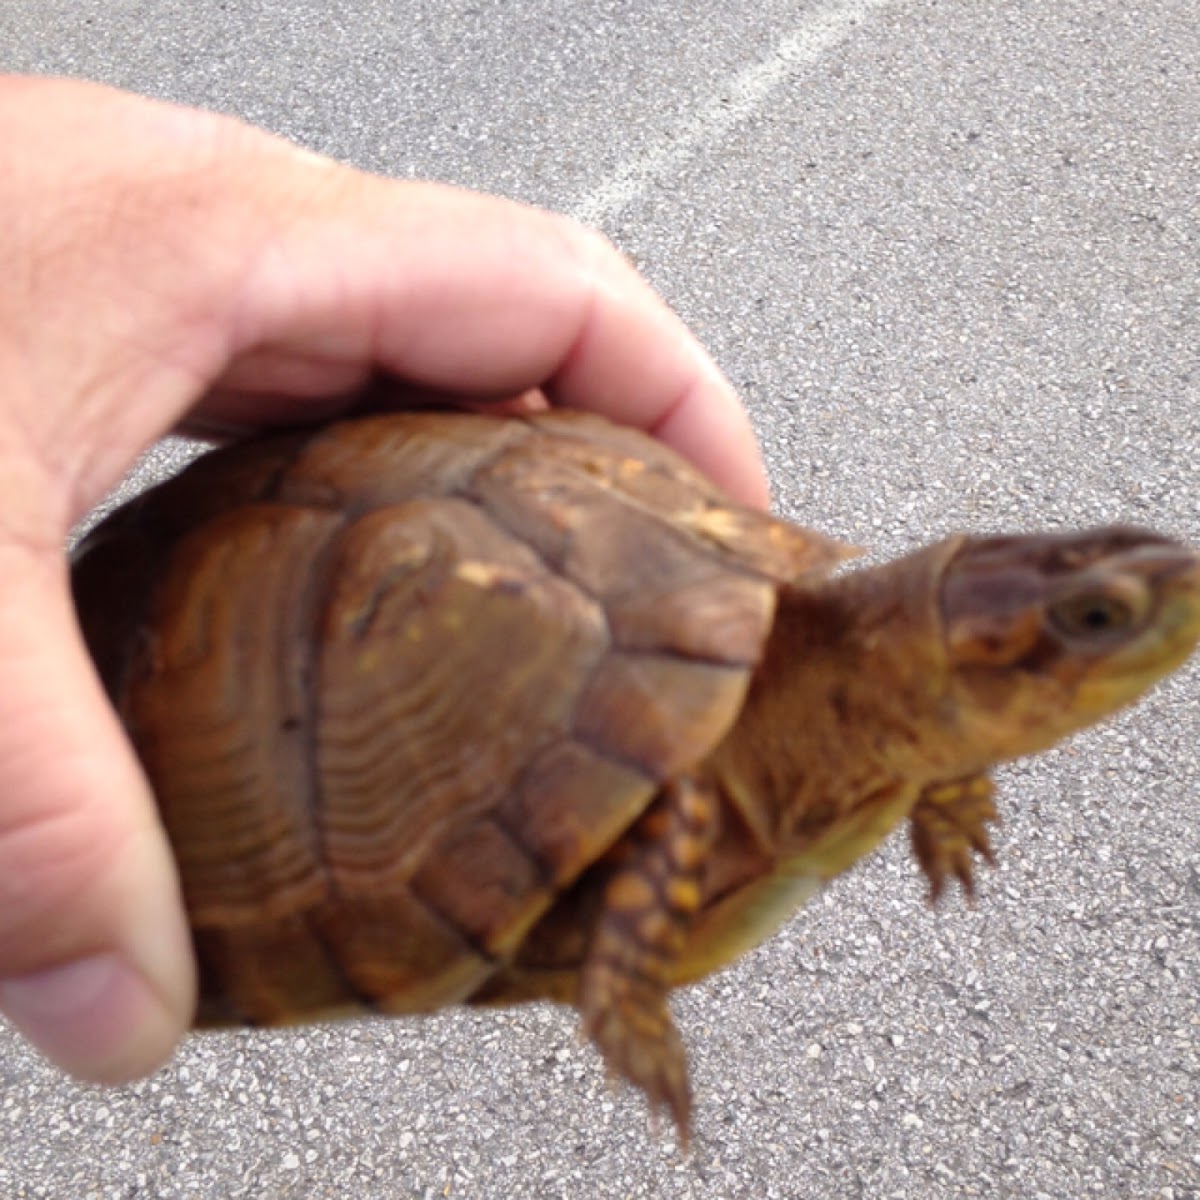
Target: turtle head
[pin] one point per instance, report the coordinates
(1048, 634)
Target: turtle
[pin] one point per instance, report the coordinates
(454, 708)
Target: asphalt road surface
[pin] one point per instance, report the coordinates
(950, 253)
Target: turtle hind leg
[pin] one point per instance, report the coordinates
(647, 906)
(949, 822)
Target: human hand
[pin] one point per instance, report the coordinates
(160, 265)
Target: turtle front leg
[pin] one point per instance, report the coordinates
(646, 909)
(949, 821)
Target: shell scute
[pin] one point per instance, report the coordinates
(216, 700)
(571, 803)
(661, 713)
(437, 685)
(377, 461)
(484, 882)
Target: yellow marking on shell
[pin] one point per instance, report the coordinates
(484, 575)
(720, 524)
(727, 526)
(630, 893)
(683, 895)
(688, 852)
(698, 809)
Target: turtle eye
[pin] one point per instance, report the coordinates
(1091, 615)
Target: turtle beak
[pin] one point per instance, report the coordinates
(1050, 633)
(1167, 576)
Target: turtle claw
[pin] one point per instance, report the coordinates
(641, 1046)
(949, 825)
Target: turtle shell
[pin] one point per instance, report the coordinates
(399, 680)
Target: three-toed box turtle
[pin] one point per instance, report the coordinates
(448, 708)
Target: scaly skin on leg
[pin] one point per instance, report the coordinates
(950, 821)
(648, 904)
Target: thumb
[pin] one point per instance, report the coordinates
(95, 965)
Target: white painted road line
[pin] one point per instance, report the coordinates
(737, 99)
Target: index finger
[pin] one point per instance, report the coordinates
(635, 361)
(474, 294)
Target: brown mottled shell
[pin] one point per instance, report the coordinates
(399, 680)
